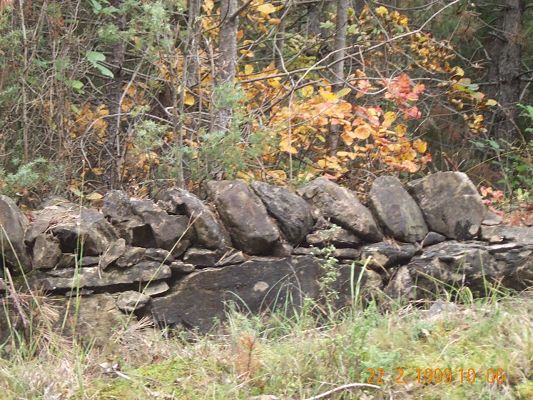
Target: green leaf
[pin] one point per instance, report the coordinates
(95, 57)
(104, 71)
(75, 84)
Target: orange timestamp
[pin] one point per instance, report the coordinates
(402, 376)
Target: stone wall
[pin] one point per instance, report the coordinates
(180, 260)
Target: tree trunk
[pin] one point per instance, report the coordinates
(227, 62)
(195, 33)
(114, 95)
(338, 67)
(506, 57)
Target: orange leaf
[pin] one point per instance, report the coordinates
(363, 132)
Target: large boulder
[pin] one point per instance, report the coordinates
(292, 213)
(244, 216)
(13, 224)
(343, 207)
(451, 204)
(201, 298)
(78, 229)
(396, 210)
(210, 233)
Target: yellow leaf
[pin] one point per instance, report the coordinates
(409, 166)
(94, 196)
(307, 91)
(343, 92)
(347, 137)
(328, 96)
(278, 174)
(286, 147)
(420, 146)
(274, 82)
(274, 21)
(350, 155)
(491, 102)
(363, 132)
(266, 9)
(189, 99)
(458, 71)
(244, 176)
(401, 130)
(388, 119)
(382, 11)
(248, 69)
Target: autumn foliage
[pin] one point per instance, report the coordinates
(158, 121)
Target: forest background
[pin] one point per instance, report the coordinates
(134, 94)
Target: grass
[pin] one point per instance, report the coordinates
(290, 358)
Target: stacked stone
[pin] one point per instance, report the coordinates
(181, 259)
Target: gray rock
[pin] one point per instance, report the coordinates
(401, 286)
(117, 206)
(440, 309)
(473, 264)
(94, 277)
(396, 210)
(492, 219)
(131, 256)
(307, 251)
(179, 267)
(254, 286)
(131, 301)
(451, 204)
(432, 238)
(156, 288)
(78, 229)
(93, 321)
(354, 284)
(202, 257)
(135, 232)
(343, 207)
(113, 253)
(388, 255)
(254, 234)
(282, 249)
(230, 257)
(522, 235)
(210, 233)
(292, 213)
(13, 224)
(336, 236)
(347, 254)
(159, 255)
(170, 232)
(71, 260)
(46, 252)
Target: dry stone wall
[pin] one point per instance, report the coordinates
(179, 259)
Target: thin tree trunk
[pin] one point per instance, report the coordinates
(114, 95)
(195, 32)
(338, 67)
(227, 62)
